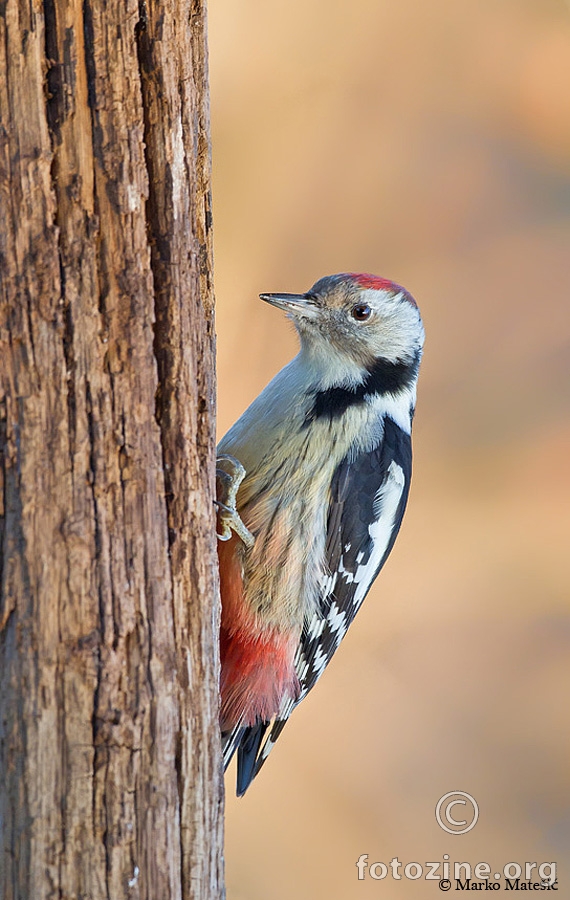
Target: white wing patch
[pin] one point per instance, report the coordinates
(319, 662)
(346, 574)
(316, 627)
(386, 504)
(328, 584)
(337, 622)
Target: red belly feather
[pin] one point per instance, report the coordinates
(257, 663)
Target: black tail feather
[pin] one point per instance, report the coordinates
(247, 752)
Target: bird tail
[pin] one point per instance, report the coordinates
(246, 739)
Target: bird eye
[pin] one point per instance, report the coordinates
(361, 312)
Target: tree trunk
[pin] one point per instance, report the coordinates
(109, 746)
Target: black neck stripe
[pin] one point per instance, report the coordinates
(383, 377)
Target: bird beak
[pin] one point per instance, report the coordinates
(296, 304)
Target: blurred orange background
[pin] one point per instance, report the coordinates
(428, 142)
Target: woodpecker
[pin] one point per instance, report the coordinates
(312, 484)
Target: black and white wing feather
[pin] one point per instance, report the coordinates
(368, 499)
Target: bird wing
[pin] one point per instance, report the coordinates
(368, 499)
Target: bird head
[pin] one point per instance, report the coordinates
(359, 317)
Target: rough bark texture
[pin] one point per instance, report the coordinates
(110, 780)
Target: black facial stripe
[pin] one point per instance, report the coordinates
(334, 402)
(386, 377)
(383, 377)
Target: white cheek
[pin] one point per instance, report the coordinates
(396, 329)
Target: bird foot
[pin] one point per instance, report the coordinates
(229, 475)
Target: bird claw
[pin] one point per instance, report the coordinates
(229, 475)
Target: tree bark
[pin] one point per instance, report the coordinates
(111, 784)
